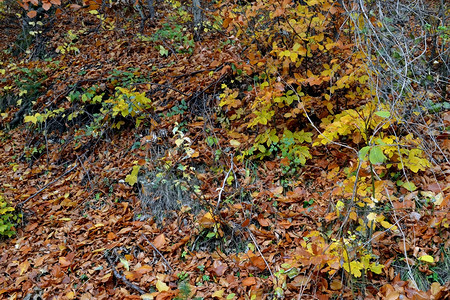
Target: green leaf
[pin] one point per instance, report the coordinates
(376, 155)
(163, 51)
(363, 153)
(384, 114)
(409, 186)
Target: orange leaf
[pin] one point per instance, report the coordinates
(159, 241)
(249, 281)
(258, 262)
(75, 6)
(46, 5)
(56, 2)
(65, 261)
(336, 285)
(218, 268)
(31, 14)
(262, 221)
(143, 269)
(226, 22)
(207, 220)
(111, 236)
(130, 275)
(285, 161)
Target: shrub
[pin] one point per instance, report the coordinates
(8, 218)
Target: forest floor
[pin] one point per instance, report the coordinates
(164, 209)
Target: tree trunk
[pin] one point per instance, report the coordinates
(151, 9)
(198, 19)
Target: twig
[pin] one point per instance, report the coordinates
(118, 275)
(86, 171)
(223, 184)
(260, 253)
(197, 94)
(199, 71)
(21, 204)
(156, 249)
(165, 86)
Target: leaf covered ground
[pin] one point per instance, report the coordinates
(146, 165)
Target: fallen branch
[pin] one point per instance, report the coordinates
(21, 204)
(120, 276)
(164, 86)
(156, 249)
(260, 253)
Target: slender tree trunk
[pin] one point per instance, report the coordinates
(151, 9)
(198, 19)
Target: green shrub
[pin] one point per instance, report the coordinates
(8, 218)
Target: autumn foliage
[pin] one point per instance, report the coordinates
(297, 150)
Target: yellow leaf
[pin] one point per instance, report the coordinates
(235, 143)
(70, 295)
(388, 225)
(179, 142)
(98, 250)
(218, 294)
(376, 268)
(23, 267)
(32, 119)
(372, 216)
(161, 286)
(427, 258)
(339, 206)
(131, 179)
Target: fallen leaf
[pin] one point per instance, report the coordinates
(336, 285)
(144, 269)
(23, 267)
(64, 262)
(159, 241)
(207, 220)
(31, 14)
(218, 268)
(427, 258)
(249, 281)
(218, 294)
(161, 286)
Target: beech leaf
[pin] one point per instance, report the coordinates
(376, 155)
(427, 258)
(161, 286)
(131, 179)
